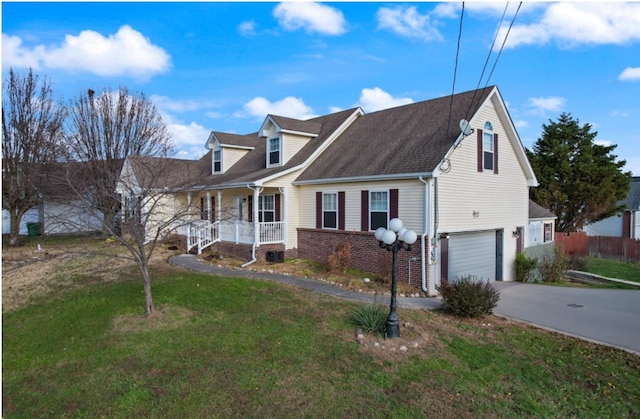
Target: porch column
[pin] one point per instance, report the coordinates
(256, 221)
(285, 220)
(189, 204)
(219, 206)
(208, 206)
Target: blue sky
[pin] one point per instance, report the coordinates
(225, 66)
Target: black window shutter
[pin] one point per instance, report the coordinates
(393, 203)
(250, 208)
(495, 153)
(318, 209)
(341, 215)
(364, 210)
(480, 158)
(213, 208)
(277, 207)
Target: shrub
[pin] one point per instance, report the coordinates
(524, 267)
(553, 266)
(371, 318)
(469, 297)
(578, 263)
(340, 259)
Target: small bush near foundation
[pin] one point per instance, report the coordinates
(553, 267)
(340, 259)
(371, 318)
(524, 267)
(469, 297)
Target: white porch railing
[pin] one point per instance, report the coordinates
(203, 233)
(272, 232)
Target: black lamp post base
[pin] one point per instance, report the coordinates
(393, 328)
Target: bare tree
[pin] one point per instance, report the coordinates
(32, 130)
(107, 128)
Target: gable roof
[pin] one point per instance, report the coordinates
(537, 212)
(248, 141)
(632, 201)
(409, 139)
(250, 169)
(310, 127)
(161, 172)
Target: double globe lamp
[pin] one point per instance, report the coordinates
(394, 238)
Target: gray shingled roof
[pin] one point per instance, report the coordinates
(536, 211)
(289, 124)
(632, 201)
(248, 140)
(251, 167)
(407, 139)
(162, 172)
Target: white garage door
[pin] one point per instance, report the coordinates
(472, 254)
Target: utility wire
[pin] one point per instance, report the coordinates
(504, 41)
(455, 71)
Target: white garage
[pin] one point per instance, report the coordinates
(478, 254)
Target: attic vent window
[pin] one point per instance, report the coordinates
(274, 151)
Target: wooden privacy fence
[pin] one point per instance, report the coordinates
(579, 244)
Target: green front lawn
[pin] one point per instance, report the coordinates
(228, 347)
(612, 268)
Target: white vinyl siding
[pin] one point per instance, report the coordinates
(410, 202)
(472, 254)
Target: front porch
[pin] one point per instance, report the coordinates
(201, 234)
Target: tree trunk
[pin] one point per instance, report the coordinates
(149, 308)
(14, 233)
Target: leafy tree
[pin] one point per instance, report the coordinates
(580, 181)
(104, 130)
(32, 131)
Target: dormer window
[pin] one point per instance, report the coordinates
(217, 161)
(275, 156)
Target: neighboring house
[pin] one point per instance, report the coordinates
(61, 210)
(539, 237)
(624, 224)
(303, 187)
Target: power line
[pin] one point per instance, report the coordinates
(455, 70)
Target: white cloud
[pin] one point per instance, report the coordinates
(406, 21)
(247, 28)
(313, 17)
(192, 134)
(605, 143)
(290, 107)
(542, 105)
(572, 24)
(376, 99)
(630, 74)
(166, 104)
(127, 52)
(520, 123)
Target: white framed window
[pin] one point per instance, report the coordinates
(548, 232)
(378, 209)
(274, 155)
(266, 208)
(487, 146)
(330, 210)
(217, 161)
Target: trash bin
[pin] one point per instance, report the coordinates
(34, 229)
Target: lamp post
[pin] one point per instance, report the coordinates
(394, 238)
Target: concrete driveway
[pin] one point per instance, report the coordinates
(607, 316)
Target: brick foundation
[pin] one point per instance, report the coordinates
(366, 254)
(244, 251)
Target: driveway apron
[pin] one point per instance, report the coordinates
(607, 316)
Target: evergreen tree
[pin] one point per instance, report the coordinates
(580, 181)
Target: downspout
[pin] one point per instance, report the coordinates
(426, 259)
(256, 232)
(284, 216)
